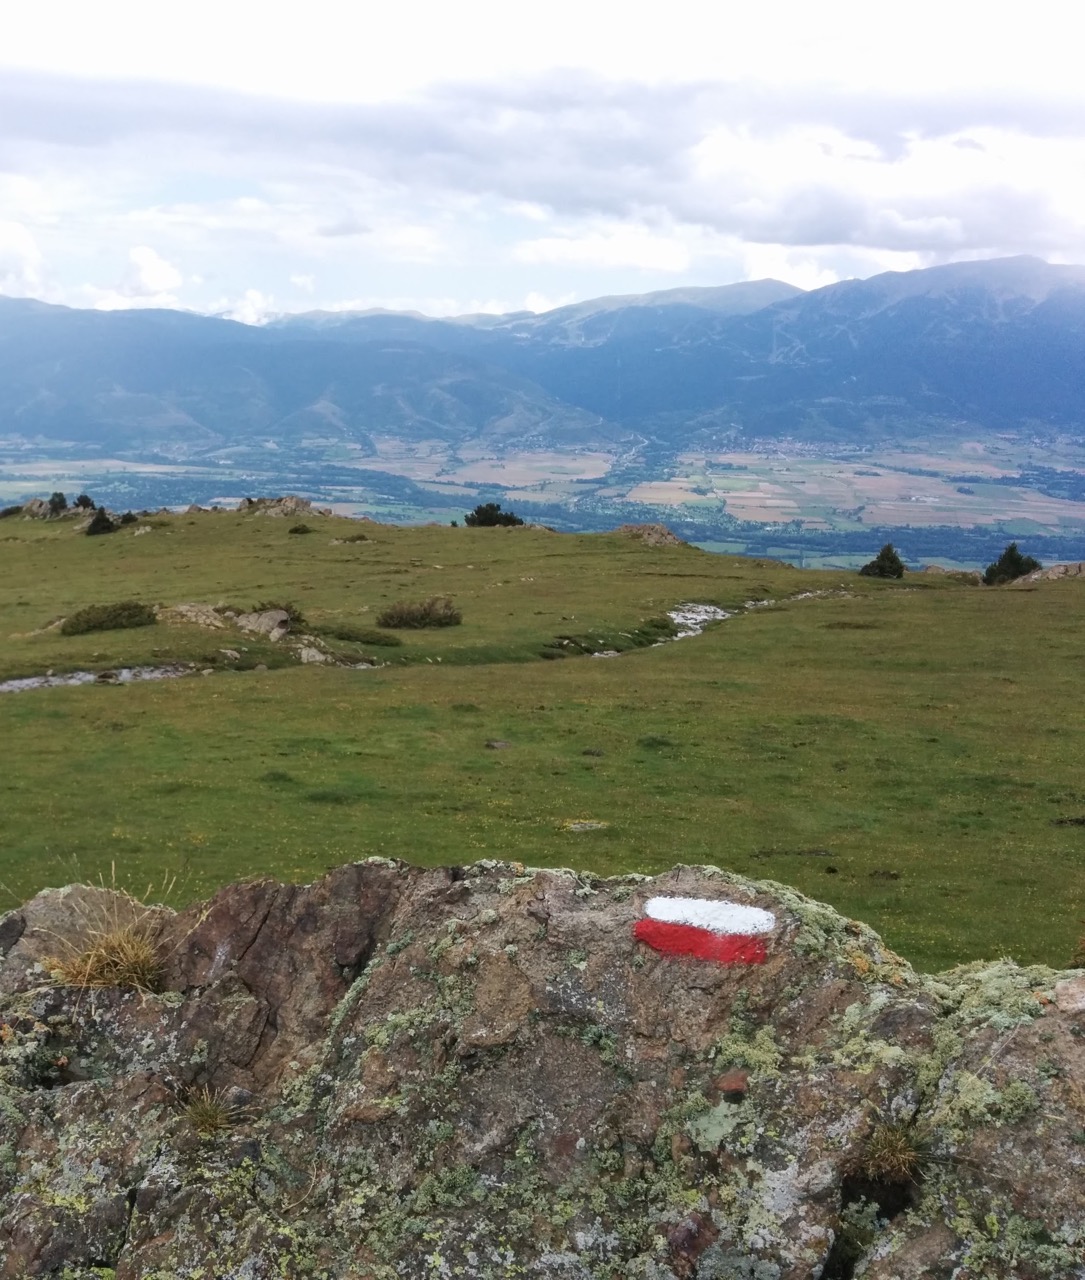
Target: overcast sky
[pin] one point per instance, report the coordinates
(466, 155)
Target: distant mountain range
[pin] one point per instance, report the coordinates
(961, 350)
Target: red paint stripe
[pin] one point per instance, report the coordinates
(701, 944)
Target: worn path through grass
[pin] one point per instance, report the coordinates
(912, 757)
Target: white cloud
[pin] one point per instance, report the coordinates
(617, 246)
(628, 158)
(253, 307)
(540, 302)
(20, 260)
(149, 275)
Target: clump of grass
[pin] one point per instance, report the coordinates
(437, 611)
(300, 527)
(892, 1153)
(113, 954)
(358, 635)
(331, 796)
(108, 617)
(208, 1113)
(278, 777)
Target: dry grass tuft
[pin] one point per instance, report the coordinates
(125, 956)
(209, 1113)
(116, 944)
(892, 1153)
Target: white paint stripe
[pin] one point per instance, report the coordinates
(719, 917)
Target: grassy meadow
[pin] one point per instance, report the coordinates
(910, 752)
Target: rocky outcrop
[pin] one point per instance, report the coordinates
(290, 505)
(496, 1072)
(652, 535)
(1075, 569)
(273, 623)
(191, 614)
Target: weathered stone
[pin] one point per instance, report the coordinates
(480, 1072)
(200, 615)
(1074, 569)
(652, 535)
(290, 505)
(273, 623)
(1070, 994)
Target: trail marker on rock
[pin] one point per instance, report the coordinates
(727, 932)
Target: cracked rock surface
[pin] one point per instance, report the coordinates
(480, 1072)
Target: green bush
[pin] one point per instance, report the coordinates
(437, 611)
(5, 512)
(85, 502)
(886, 564)
(102, 523)
(489, 514)
(358, 635)
(1010, 565)
(300, 527)
(57, 503)
(108, 617)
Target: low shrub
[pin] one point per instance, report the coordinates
(101, 523)
(1010, 566)
(129, 517)
(108, 617)
(886, 564)
(6, 512)
(358, 635)
(488, 515)
(300, 527)
(437, 611)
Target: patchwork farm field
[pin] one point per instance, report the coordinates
(910, 752)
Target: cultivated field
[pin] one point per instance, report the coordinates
(909, 752)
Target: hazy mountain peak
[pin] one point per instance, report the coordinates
(1024, 278)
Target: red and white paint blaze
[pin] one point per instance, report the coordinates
(727, 932)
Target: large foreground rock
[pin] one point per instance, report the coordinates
(482, 1073)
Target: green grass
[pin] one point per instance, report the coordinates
(920, 742)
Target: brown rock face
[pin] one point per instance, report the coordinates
(652, 535)
(480, 1072)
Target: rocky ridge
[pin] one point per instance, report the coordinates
(481, 1072)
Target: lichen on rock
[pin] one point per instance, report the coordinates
(480, 1072)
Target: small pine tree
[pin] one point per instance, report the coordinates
(102, 523)
(57, 503)
(488, 515)
(1010, 564)
(84, 502)
(886, 564)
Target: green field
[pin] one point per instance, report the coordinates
(908, 752)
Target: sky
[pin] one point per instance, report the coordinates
(249, 159)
